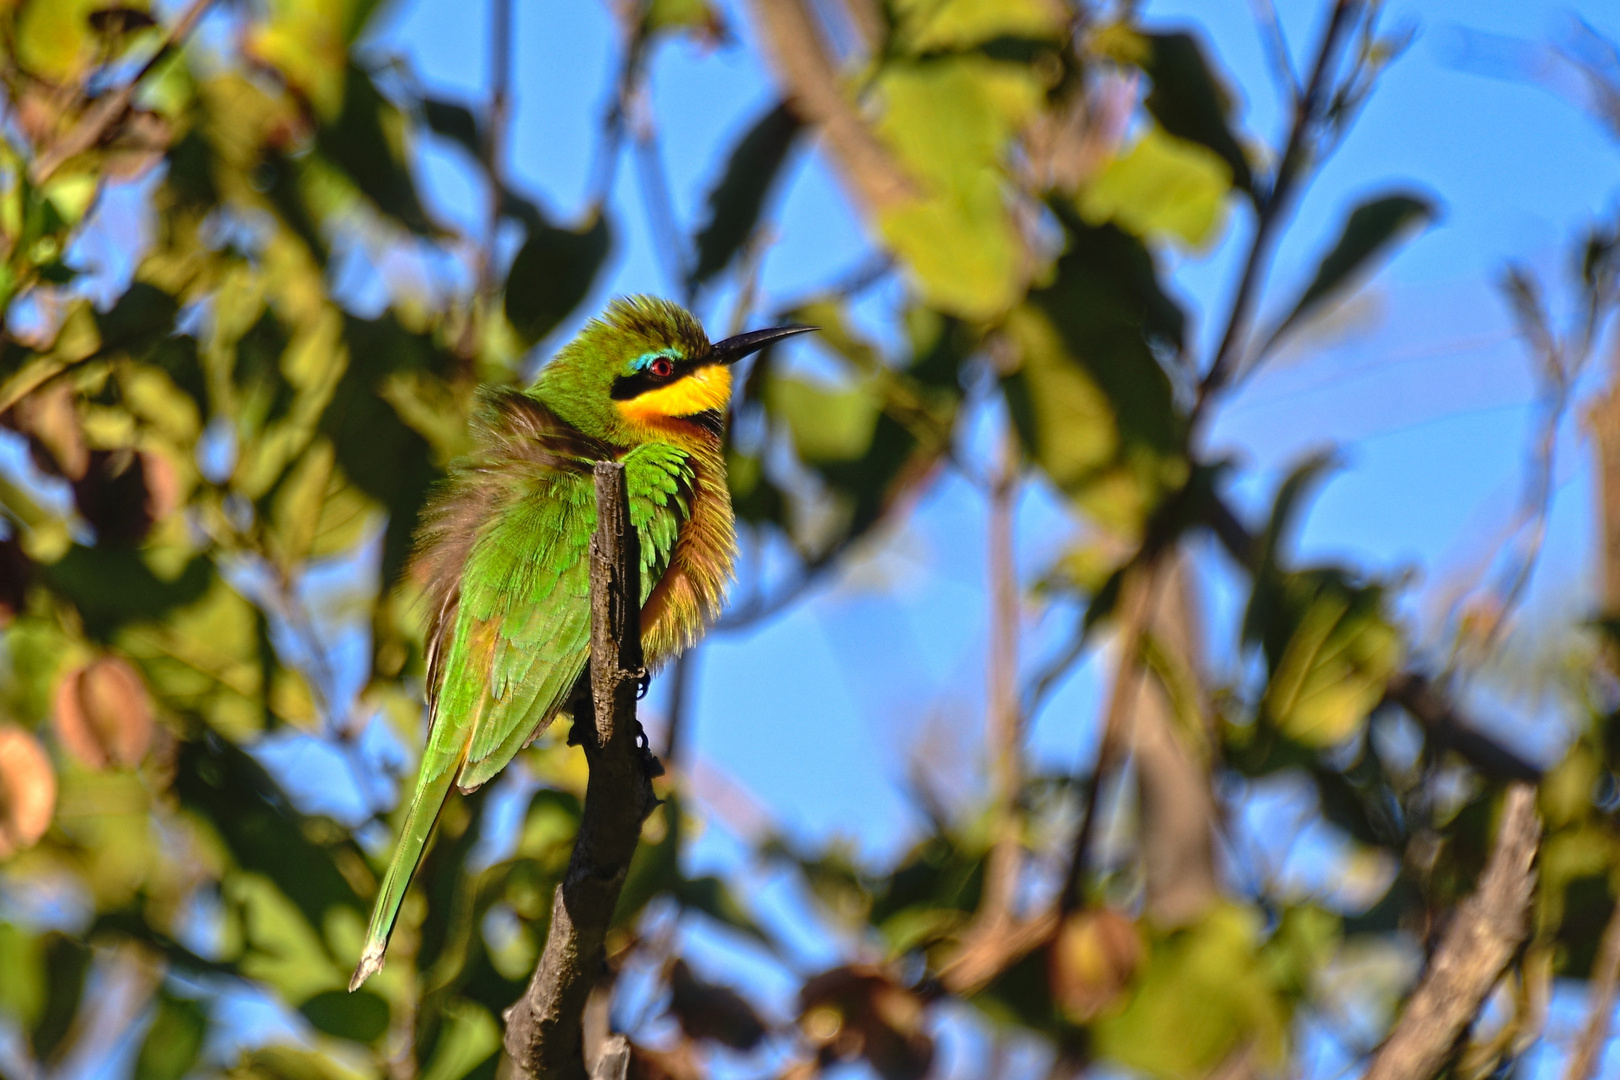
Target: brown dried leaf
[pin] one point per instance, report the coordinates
(1091, 961)
(27, 790)
(709, 1011)
(55, 435)
(861, 1011)
(104, 714)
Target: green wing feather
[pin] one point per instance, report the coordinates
(519, 636)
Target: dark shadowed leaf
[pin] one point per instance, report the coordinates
(1188, 101)
(174, 1040)
(66, 963)
(1371, 228)
(261, 828)
(454, 122)
(1091, 402)
(736, 201)
(361, 1015)
(365, 143)
(112, 586)
(552, 274)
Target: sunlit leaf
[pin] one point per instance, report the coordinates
(1208, 986)
(1161, 186)
(950, 121)
(828, 423)
(928, 25)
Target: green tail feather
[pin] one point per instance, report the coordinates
(431, 793)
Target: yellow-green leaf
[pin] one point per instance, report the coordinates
(1161, 187)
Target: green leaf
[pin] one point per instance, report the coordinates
(454, 122)
(940, 25)
(469, 1038)
(1205, 992)
(367, 141)
(174, 1040)
(361, 1015)
(950, 122)
(1371, 228)
(1089, 399)
(1189, 102)
(265, 835)
(827, 422)
(1337, 661)
(736, 201)
(1161, 186)
(22, 991)
(1286, 506)
(66, 963)
(53, 38)
(551, 275)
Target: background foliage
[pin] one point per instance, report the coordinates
(214, 469)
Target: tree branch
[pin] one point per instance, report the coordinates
(1138, 599)
(110, 108)
(543, 1028)
(1482, 938)
(812, 85)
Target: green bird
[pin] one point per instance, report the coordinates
(503, 547)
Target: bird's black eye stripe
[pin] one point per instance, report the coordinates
(661, 372)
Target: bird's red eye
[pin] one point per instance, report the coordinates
(662, 368)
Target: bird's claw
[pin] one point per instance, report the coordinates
(643, 681)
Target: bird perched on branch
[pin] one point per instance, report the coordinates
(504, 545)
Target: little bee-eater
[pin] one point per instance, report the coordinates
(503, 548)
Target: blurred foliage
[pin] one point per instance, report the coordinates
(197, 442)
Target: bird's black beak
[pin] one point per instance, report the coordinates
(734, 349)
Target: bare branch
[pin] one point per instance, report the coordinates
(1004, 726)
(812, 85)
(109, 109)
(1140, 593)
(1482, 938)
(543, 1028)
(1177, 812)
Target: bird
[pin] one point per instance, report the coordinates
(502, 546)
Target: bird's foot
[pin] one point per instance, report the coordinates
(643, 681)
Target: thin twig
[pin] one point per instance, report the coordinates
(543, 1028)
(110, 108)
(1004, 727)
(1600, 996)
(1482, 938)
(1296, 153)
(500, 104)
(1275, 44)
(1140, 597)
